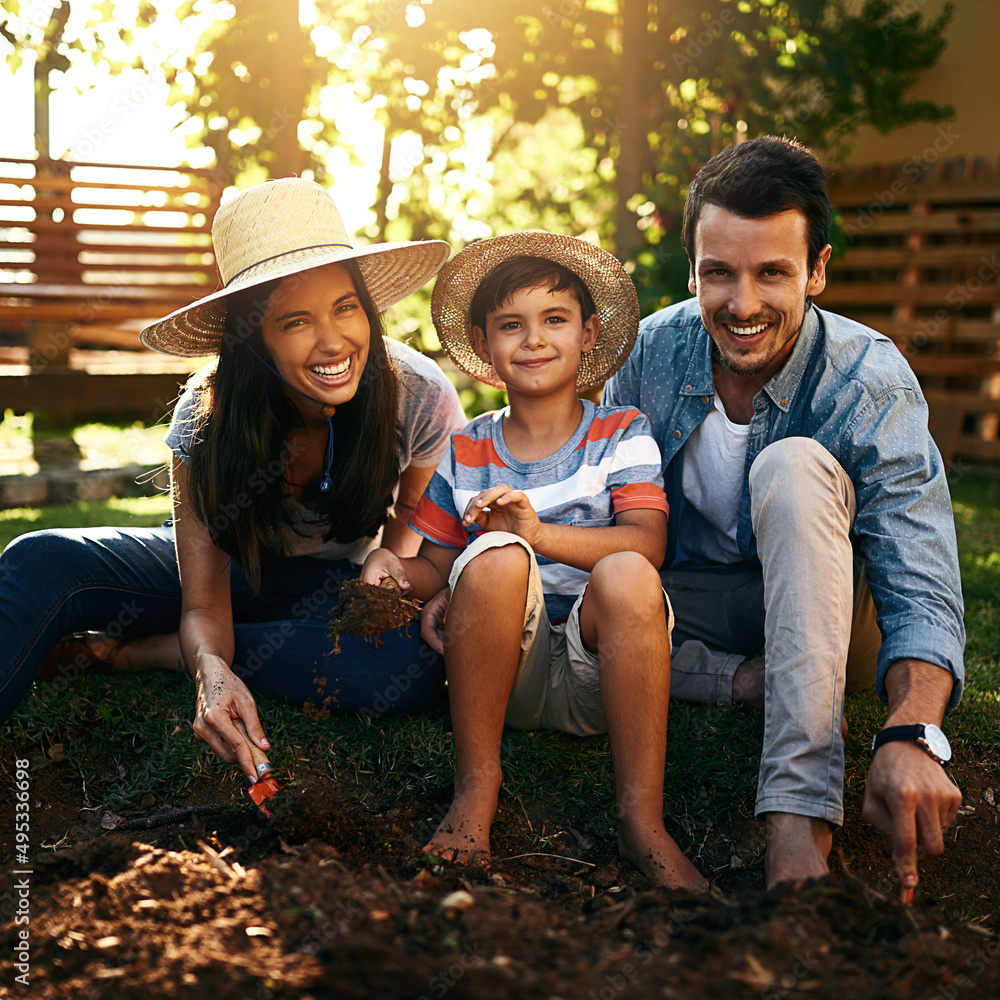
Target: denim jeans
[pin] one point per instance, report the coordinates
(124, 582)
(807, 606)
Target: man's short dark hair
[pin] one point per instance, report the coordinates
(758, 178)
(510, 276)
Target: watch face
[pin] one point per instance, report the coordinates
(937, 742)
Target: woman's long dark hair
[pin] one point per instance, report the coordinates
(239, 461)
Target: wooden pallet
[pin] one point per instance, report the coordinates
(922, 266)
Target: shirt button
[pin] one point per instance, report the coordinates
(706, 399)
(677, 434)
(688, 388)
(784, 402)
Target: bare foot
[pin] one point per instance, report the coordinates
(131, 655)
(748, 682)
(463, 836)
(797, 848)
(105, 649)
(653, 851)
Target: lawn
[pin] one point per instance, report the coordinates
(712, 753)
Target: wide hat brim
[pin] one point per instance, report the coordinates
(391, 272)
(609, 285)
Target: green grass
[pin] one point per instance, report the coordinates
(711, 758)
(134, 512)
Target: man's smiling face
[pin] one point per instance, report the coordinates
(752, 279)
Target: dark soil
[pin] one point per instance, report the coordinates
(366, 610)
(330, 897)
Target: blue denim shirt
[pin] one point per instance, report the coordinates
(848, 388)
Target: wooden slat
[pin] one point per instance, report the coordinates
(964, 255)
(67, 205)
(969, 446)
(75, 395)
(968, 402)
(60, 166)
(68, 184)
(845, 294)
(67, 226)
(972, 221)
(951, 365)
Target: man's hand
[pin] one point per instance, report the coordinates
(382, 563)
(432, 616)
(911, 800)
(501, 508)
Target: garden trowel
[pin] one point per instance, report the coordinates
(266, 787)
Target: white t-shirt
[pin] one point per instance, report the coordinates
(428, 410)
(712, 481)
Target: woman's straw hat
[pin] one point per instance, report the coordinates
(610, 287)
(277, 229)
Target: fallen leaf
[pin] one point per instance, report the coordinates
(111, 821)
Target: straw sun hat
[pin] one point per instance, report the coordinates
(277, 229)
(610, 287)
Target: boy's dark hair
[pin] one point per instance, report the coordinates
(758, 178)
(238, 485)
(510, 276)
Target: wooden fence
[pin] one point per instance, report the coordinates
(922, 267)
(89, 253)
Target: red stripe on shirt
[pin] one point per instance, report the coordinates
(429, 518)
(602, 428)
(639, 496)
(475, 454)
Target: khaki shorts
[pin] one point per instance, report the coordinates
(558, 682)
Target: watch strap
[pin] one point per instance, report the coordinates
(891, 733)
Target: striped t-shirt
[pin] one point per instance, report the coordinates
(609, 465)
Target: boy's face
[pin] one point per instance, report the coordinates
(535, 339)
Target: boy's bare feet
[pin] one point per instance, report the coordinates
(463, 836)
(654, 852)
(797, 848)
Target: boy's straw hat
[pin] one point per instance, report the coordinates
(277, 229)
(610, 287)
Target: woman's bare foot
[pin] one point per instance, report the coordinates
(152, 652)
(654, 852)
(463, 836)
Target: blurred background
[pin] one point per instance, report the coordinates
(454, 120)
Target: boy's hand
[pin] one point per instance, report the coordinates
(382, 563)
(432, 616)
(509, 510)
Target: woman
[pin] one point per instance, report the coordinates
(308, 435)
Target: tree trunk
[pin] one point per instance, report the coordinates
(384, 186)
(631, 126)
(290, 90)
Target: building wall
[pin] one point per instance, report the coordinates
(967, 76)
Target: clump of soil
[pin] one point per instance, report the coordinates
(366, 610)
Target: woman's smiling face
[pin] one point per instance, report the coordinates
(318, 334)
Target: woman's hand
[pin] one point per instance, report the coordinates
(501, 508)
(382, 563)
(222, 697)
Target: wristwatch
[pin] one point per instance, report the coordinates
(925, 734)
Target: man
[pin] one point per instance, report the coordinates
(806, 497)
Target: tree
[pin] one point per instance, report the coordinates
(60, 48)
(647, 90)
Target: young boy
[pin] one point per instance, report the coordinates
(547, 519)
